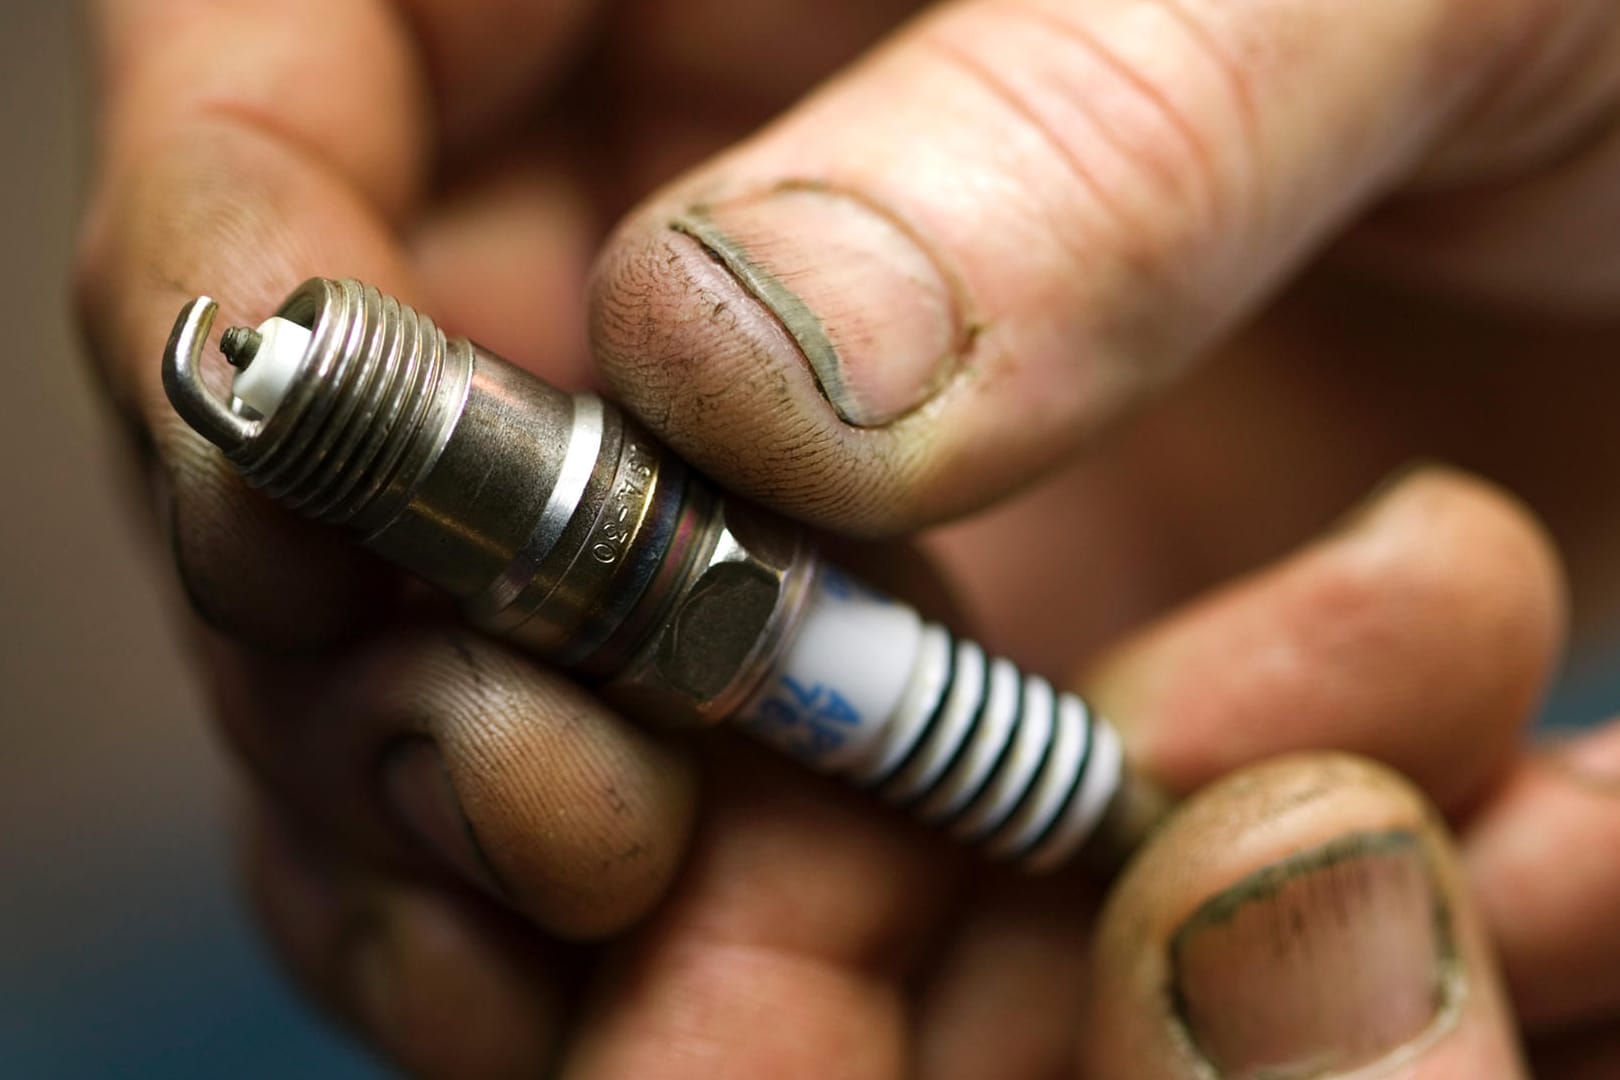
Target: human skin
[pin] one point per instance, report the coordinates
(1120, 305)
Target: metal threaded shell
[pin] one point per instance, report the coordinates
(365, 413)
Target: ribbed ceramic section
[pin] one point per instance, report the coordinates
(999, 758)
(359, 415)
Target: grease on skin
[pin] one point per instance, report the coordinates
(802, 324)
(878, 317)
(1319, 963)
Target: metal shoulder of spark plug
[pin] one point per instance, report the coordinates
(565, 529)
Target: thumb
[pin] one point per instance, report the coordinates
(949, 267)
(1303, 918)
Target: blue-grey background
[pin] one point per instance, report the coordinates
(123, 952)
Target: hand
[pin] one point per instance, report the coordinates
(978, 250)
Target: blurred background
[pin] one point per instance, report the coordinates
(123, 951)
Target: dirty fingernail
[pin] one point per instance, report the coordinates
(875, 317)
(1319, 964)
(418, 788)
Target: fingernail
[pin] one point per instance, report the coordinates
(419, 789)
(1319, 964)
(872, 312)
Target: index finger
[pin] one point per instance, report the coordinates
(244, 147)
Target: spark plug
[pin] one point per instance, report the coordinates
(564, 528)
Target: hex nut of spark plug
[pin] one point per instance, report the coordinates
(716, 627)
(714, 646)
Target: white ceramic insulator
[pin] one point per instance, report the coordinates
(868, 691)
(263, 384)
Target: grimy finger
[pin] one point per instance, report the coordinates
(956, 263)
(1307, 917)
(244, 147)
(786, 946)
(1422, 633)
(435, 750)
(438, 982)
